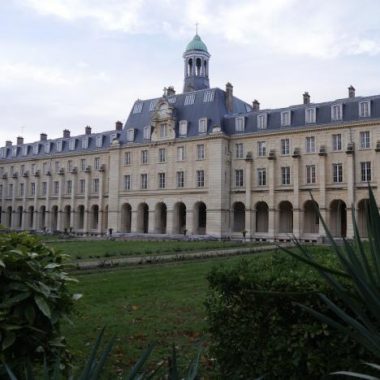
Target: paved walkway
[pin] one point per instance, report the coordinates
(156, 259)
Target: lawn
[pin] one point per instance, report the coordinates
(161, 303)
(92, 249)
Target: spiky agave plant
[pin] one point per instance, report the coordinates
(360, 265)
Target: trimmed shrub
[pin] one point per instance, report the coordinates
(34, 297)
(257, 330)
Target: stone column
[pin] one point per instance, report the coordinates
(114, 188)
(134, 220)
(350, 173)
(60, 202)
(74, 179)
(87, 201)
(13, 197)
(296, 198)
(189, 221)
(272, 230)
(169, 221)
(35, 203)
(248, 194)
(24, 206)
(47, 202)
(322, 193)
(101, 202)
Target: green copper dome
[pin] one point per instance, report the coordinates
(196, 44)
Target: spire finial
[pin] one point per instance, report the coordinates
(196, 28)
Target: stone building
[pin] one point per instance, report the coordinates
(202, 162)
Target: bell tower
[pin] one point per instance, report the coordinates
(196, 60)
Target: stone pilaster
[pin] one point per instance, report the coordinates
(248, 195)
(350, 175)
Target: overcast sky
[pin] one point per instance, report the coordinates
(72, 63)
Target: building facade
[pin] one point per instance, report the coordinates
(202, 162)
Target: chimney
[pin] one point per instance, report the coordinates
(8, 143)
(229, 97)
(351, 92)
(43, 136)
(118, 125)
(66, 133)
(256, 105)
(87, 130)
(306, 98)
(170, 91)
(20, 140)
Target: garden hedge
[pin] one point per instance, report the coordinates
(258, 329)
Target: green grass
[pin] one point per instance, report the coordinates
(162, 303)
(80, 250)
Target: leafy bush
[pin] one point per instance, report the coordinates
(34, 297)
(256, 329)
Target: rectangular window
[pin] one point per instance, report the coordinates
(144, 181)
(99, 141)
(285, 118)
(239, 124)
(55, 187)
(200, 152)
(180, 179)
(131, 135)
(365, 170)
(144, 156)
(365, 109)
(189, 99)
(72, 144)
(45, 167)
(262, 121)
(83, 164)
(183, 128)
(261, 148)
(97, 163)
(261, 177)
(161, 180)
(33, 189)
(44, 188)
(22, 169)
(147, 131)
(95, 185)
(239, 178)
(337, 173)
(285, 175)
(180, 153)
(21, 189)
(310, 174)
(163, 130)
(202, 126)
(127, 158)
(127, 182)
(10, 190)
(82, 186)
(36, 148)
(200, 178)
(46, 147)
(310, 144)
(69, 165)
(239, 150)
(337, 142)
(57, 166)
(336, 112)
(310, 114)
(85, 142)
(365, 140)
(161, 155)
(113, 136)
(285, 147)
(69, 186)
(59, 145)
(25, 150)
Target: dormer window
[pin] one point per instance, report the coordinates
(72, 144)
(47, 147)
(310, 115)
(99, 141)
(285, 118)
(85, 141)
(130, 135)
(137, 108)
(147, 131)
(189, 99)
(262, 121)
(163, 131)
(172, 99)
(36, 148)
(208, 96)
(336, 112)
(202, 126)
(14, 151)
(3, 152)
(239, 124)
(183, 128)
(152, 105)
(59, 145)
(25, 150)
(365, 109)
